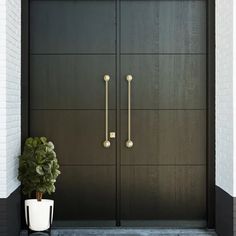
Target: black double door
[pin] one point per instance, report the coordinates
(162, 44)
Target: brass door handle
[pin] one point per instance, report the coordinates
(106, 143)
(129, 143)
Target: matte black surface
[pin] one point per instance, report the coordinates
(10, 217)
(25, 67)
(86, 193)
(118, 120)
(170, 137)
(225, 213)
(71, 82)
(163, 26)
(24, 70)
(65, 88)
(67, 94)
(211, 114)
(77, 134)
(174, 137)
(72, 27)
(165, 81)
(163, 193)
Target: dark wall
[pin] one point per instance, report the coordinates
(225, 213)
(3, 220)
(234, 219)
(24, 82)
(10, 218)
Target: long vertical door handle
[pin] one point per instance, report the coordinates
(129, 142)
(106, 143)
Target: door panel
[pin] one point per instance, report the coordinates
(163, 192)
(163, 26)
(165, 81)
(173, 137)
(162, 44)
(78, 135)
(71, 43)
(190, 192)
(71, 81)
(85, 193)
(147, 192)
(57, 26)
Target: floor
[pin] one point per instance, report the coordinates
(126, 232)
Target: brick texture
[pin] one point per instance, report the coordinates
(225, 96)
(10, 97)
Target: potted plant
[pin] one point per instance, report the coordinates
(38, 171)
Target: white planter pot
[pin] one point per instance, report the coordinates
(39, 214)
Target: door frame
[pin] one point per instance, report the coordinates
(210, 17)
(210, 100)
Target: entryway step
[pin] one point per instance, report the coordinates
(127, 232)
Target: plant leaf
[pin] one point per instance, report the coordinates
(39, 170)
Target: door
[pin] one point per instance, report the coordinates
(161, 179)
(163, 176)
(69, 57)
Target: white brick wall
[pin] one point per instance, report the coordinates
(2, 98)
(225, 96)
(234, 88)
(10, 74)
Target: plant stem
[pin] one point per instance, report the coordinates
(39, 196)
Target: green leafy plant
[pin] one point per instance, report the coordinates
(38, 167)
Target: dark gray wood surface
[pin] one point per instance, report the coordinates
(163, 26)
(71, 81)
(163, 192)
(72, 27)
(164, 81)
(78, 135)
(163, 45)
(165, 137)
(86, 193)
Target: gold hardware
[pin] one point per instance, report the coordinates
(129, 142)
(106, 143)
(112, 135)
